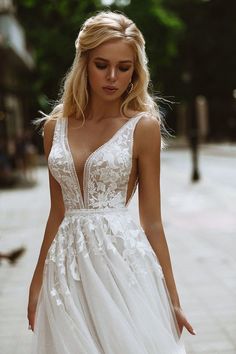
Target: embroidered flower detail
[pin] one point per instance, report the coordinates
(74, 269)
(53, 292)
(98, 235)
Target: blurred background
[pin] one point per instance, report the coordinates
(191, 49)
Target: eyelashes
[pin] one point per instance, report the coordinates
(104, 66)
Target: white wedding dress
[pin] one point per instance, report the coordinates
(103, 289)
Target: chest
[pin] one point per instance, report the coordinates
(105, 173)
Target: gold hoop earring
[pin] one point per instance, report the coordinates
(130, 88)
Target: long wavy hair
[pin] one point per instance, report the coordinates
(74, 93)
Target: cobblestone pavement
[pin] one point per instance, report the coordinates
(200, 226)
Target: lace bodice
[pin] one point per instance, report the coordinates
(106, 170)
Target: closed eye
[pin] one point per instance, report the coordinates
(101, 66)
(124, 69)
(104, 66)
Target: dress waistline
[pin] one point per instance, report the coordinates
(95, 211)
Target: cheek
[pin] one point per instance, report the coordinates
(125, 79)
(95, 76)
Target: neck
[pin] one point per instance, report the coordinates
(99, 109)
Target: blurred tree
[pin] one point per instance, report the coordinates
(206, 60)
(51, 31)
(52, 27)
(206, 53)
(162, 29)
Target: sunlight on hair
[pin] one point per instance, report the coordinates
(117, 2)
(107, 2)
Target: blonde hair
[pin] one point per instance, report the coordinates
(104, 26)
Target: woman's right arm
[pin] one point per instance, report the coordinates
(55, 217)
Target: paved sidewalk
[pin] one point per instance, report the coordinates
(200, 228)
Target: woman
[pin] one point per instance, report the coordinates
(103, 283)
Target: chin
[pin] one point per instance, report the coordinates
(110, 98)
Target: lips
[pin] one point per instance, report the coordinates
(111, 88)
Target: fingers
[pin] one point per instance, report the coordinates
(32, 305)
(182, 320)
(30, 327)
(188, 326)
(31, 316)
(31, 323)
(180, 325)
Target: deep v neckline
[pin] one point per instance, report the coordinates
(82, 189)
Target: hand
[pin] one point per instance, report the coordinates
(32, 304)
(182, 320)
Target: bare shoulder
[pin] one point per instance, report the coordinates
(48, 132)
(49, 125)
(147, 134)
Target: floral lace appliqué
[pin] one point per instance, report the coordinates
(98, 236)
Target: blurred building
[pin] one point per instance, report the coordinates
(16, 67)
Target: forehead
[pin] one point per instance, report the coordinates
(113, 50)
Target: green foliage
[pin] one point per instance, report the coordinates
(52, 27)
(182, 36)
(162, 30)
(167, 18)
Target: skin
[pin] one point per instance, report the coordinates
(103, 119)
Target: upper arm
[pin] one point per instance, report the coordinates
(148, 137)
(57, 204)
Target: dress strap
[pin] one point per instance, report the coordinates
(135, 121)
(57, 131)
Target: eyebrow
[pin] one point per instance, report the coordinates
(121, 61)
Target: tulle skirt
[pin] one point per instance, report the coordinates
(103, 290)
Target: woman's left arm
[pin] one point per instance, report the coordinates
(148, 145)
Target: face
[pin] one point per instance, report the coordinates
(110, 69)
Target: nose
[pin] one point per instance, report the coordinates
(112, 74)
